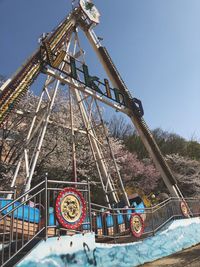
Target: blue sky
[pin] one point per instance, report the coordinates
(154, 43)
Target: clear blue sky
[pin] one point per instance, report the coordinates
(154, 43)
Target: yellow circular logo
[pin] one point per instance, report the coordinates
(70, 208)
(136, 225)
(184, 209)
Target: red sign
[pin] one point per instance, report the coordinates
(136, 225)
(70, 208)
(184, 209)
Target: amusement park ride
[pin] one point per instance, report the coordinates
(61, 58)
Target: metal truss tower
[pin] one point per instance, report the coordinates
(61, 58)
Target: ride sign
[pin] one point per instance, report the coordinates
(136, 225)
(90, 10)
(94, 83)
(70, 208)
(184, 209)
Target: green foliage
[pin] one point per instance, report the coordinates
(182, 156)
(134, 145)
(193, 150)
(169, 143)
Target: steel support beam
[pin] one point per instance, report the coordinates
(139, 123)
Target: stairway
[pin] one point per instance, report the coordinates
(16, 251)
(20, 226)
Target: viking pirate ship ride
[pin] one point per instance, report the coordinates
(55, 207)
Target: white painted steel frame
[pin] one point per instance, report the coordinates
(86, 25)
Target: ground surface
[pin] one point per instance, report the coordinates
(186, 258)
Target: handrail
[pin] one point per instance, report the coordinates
(59, 188)
(22, 196)
(164, 201)
(24, 245)
(106, 220)
(101, 206)
(23, 223)
(7, 192)
(153, 208)
(66, 182)
(20, 205)
(18, 227)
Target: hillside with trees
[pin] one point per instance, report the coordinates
(135, 166)
(183, 157)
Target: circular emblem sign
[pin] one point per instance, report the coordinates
(184, 209)
(70, 208)
(90, 10)
(136, 225)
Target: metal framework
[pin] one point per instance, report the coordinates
(86, 104)
(61, 58)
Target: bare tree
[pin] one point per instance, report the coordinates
(119, 128)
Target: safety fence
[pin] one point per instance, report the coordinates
(27, 219)
(34, 215)
(20, 221)
(115, 224)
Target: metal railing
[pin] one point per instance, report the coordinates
(52, 189)
(114, 224)
(26, 220)
(19, 223)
